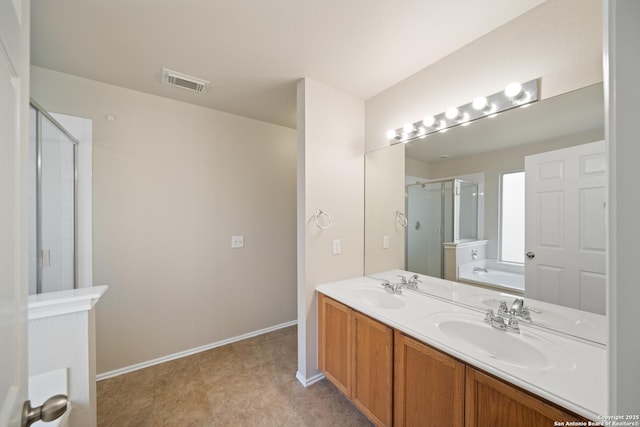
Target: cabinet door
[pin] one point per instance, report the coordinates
(429, 386)
(335, 342)
(493, 403)
(373, 362)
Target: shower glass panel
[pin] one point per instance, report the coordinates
(468, 215)
(438, 212)
(53, 205)
(430, 223)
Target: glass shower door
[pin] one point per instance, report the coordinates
(424, 229)
(55, 206)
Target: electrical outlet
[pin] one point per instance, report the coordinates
(336, 247)
(237, 242)
(385, 242)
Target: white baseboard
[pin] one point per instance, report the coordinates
(308, 381)
(142, 365)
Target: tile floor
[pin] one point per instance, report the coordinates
(248, 383)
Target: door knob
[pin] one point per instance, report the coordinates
(531, 255)
(51, 409)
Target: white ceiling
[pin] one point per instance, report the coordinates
(254, 51)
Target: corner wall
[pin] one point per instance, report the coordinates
(172, 182)
(331, 178)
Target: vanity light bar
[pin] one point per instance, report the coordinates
(514, 95)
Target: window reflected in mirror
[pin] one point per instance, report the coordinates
(512, 217)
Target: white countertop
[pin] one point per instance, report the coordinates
(577, 382)
(581, 324)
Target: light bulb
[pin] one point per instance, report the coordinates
(452, 113)
(480, 103)
(513, 90)
(408, 128)
(391, 134)
(429, 121)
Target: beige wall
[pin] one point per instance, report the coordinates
(331, 178)
(172, 182)
(416, 168)
(559, 41)
(384, 195)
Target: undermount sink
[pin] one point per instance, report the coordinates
(525, 350)
(378, 297)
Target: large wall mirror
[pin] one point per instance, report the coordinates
(513, 203)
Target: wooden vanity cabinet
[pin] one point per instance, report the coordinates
(397, 380)
(373, 366)
(491, 402)
(429, 386)
(356, 355)
(335, 339)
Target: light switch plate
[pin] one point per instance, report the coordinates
(237, 242)
(385, 242)
(336, 247)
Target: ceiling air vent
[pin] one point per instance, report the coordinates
(194, 84)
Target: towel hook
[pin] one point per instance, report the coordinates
(317, 219)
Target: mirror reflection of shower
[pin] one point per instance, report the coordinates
(438, 212)
(52, 204)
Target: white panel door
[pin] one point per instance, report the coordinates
(14, 73)
(565, 226)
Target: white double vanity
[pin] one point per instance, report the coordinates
(428, 352)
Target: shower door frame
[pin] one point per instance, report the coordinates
(454, 213)
(442, 221)
(40, 113)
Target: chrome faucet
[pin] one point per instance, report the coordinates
(517, 309)
(499, 322)
(516, 306)
(413, 282)
(392, 288)
(495, 320)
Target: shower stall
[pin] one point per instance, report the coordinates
(52, 204)
(438, 212)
